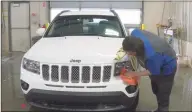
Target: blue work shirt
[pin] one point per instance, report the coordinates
(160, 58)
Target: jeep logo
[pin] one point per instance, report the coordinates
(75, 61)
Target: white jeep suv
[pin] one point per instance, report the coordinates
(73, 67)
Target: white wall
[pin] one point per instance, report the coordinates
(153, 14)
(41, 10)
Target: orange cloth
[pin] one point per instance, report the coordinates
(127, 79)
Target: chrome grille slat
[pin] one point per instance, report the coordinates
(50, 72)
(59, 71)
(70, 74)
(76, 74)
(101, 77)
(80, 73)
(91, 73)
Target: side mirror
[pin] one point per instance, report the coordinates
(40, 31)
(35, 39)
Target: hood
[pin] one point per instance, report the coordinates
(75, 49)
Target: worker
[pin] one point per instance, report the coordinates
(159, 60)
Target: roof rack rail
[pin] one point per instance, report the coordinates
(62, 12)
(115, 14)
(113, 11)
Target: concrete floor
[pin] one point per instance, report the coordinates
(12, 98)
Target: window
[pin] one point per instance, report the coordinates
(106, 26)
(111, 32)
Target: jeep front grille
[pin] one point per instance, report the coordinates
(77, 74)
(45, 72)
(96, 74)
(65, 74)
(86, 74)
(106, 73)
(54, 73)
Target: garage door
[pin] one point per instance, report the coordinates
(20, 30)
(130, 12)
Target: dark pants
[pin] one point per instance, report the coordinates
(161, 87)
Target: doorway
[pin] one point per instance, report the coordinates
(20, 26)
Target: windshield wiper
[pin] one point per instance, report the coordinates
(101, 35)
(58, 35)
(108, 36)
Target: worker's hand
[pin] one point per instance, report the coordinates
(131, 74)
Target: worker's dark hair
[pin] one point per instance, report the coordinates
(133, 44)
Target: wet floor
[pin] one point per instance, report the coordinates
(12, 97)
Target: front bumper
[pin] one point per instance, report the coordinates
(80, 101)
(36, 82)
(77, 97)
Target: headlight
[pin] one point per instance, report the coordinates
(120, 65)
(32, 66)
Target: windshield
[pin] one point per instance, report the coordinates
(106, 26)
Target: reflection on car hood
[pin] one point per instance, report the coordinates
(88, 49)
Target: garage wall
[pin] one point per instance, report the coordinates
(183, 20)
(153, 14)
(181, 13)
(39, 15)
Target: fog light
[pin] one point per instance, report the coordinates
(131, 89)
(24, 85)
